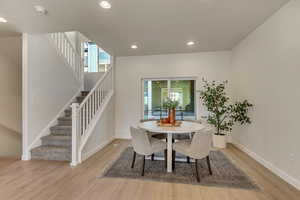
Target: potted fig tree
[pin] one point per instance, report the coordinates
(222, 114)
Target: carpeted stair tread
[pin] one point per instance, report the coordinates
(65, 121)
(57, 145)
(59, 127)
(84, 93)
(57, 140)
(65, 118)
(51, 153)
(48, 148)
(57, 137)
(61, 130)
(80, 99)
(68, 112)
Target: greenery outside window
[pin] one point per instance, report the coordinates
(155, 91)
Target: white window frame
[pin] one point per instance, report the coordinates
(169, 79)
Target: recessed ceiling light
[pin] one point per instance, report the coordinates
(105, 4)
(134, 46)
(3, 20)
(40, 10)
(190, 43)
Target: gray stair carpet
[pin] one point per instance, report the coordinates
(58, 145)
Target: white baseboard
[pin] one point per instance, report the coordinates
(25, 157)
(291, 180)
(123, 137)
(123, 134)
(88, 154)
(46, 130)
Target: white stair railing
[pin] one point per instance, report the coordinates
(66, 50)
(84, 115)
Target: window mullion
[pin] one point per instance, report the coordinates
(169, 87)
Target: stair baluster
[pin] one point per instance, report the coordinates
(65, 48)
(87, 112)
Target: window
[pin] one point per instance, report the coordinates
(95, 58)
(155, 91)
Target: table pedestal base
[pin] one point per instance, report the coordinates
(169, 148)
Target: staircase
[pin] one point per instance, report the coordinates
(58, 145)
(67, 139)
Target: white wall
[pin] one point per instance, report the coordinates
(90, 79)
(10, 95)
(11, 82)
(103, 132)
(266, 71)
(130, 70)
(10, 142)
(50, 84)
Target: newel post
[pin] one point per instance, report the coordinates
(75, 142)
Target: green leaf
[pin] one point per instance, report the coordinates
(222, 114)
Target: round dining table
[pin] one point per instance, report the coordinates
(184, 128)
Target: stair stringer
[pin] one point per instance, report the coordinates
(46, 131)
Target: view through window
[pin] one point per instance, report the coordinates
(156, 91)
(95, 58)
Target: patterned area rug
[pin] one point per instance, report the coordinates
(225, 174)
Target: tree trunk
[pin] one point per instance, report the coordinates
(218, 124)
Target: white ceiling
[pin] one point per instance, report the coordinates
(156, 26)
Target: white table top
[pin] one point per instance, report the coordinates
(186, 127)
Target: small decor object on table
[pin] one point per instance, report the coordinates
(171, 105)
(222, 114)
(168, 124)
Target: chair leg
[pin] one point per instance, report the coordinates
(133, 159)
(173, 156)
(143, 167)
(208, 164)
(188, 160)
(152, 157)
(166, 157)
(173, 159)
(197, 173)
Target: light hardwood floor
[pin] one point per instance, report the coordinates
(43, 180)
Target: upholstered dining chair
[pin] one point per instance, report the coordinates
(197, 148)
(159, 136)
(145, 145)
(155, 135)
(199, 121)
(186, 136)
(163, 136)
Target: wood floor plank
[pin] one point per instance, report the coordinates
(47, 180)
(267, 181)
